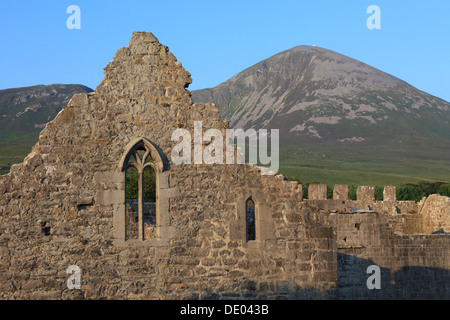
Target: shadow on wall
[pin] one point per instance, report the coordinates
(229, 289)
(407, 283)
(248, 290)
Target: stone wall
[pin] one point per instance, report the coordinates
(431, 215)
(436, 214)
(65, 205)
(412, 266)
(340, 192)
(317, 192)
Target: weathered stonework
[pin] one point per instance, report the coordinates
(365, 194)
(65, 205)
(340, 192)
(436, 214)
(390, 193)
(317, 192)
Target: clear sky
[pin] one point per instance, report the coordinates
(215, 40)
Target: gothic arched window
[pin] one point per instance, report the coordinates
(250, 219)
(140, 193)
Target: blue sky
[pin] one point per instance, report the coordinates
(215, 40)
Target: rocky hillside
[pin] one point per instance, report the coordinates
(317, 97)
(24, 112)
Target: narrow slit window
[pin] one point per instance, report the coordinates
(250, 219)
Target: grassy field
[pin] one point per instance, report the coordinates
(378, 169)
(351, 177)
(309, 165)
(12, 154)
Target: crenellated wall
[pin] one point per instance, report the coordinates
(396, 236)
(430, 215)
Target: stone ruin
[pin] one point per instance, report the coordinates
(65, 205)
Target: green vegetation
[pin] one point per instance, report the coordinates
(371, 165)
(12, 154)
(149, 184)
(415, 177)
(422, 189)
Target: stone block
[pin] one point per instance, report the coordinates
(85, 198)
(168, 232)
(169, 193)
(390, 193)
(79, 100)
(317, 192)
(237, 230)
(436, 214)
(71, 212)
(109, 197)
(163, 180)
(276, 244)
(266, 230)
(109, 177)
(340, 192)
(365, 193)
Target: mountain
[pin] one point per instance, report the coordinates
(340, 120)
(327, 105)
(24, 112)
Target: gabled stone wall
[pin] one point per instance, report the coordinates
(65, 205)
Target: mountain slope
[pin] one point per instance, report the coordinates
(25, 111)
(336, 107)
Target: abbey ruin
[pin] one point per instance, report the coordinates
(212, 231)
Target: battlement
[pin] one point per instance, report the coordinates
(428, 216)
(365, 200)
(340, 192)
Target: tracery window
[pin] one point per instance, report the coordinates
(140, 190)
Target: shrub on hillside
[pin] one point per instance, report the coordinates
(410, 192)
(444, 190)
